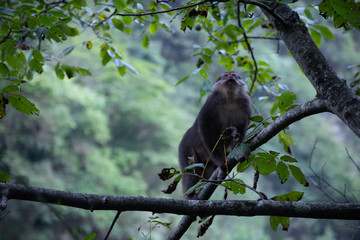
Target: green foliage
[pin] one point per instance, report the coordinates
(275, 221)
(344, 13)
(4, 176)
(268, 162)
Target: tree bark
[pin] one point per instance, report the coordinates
(339, 98)
(193, 208)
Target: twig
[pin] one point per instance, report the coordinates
(249, 47)
(112, 225)
(54, 4)
(162, 11)
(6, 37)
(104, 20)
(349, 156)
(322, 179)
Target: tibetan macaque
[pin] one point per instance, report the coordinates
(227, 109)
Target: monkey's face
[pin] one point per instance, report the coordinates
(229, 83)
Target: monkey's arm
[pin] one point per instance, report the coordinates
(210, 128)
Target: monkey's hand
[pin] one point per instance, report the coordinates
(232, 134)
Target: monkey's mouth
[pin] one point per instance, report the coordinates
(231, 82)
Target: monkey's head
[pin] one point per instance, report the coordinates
(229, 83)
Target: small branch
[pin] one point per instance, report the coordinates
(249, 47)
(6, 37)
(112, 225)
(266, 8)
(353, 161)
(322, 179)
(162, 11)
(104, 20)
(52, 5)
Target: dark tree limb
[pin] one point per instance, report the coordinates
(92, 202)
(339, 98)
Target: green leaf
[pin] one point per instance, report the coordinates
(239, 151)
(34, 64)
(231, 30)
(298, 175)
(286, 99)
(66, 51)
(146, 41)
(193, 166)
(120, 4)
(257, 118)
(118, 23)
(241, 167)
(69, 71)
(4, 70)
(276, 220)
(283, 172)
(153, 27)
(37, 55)
(235, 187)
(265, 163)
(287, 158)
(91, 236)
(182, 80)
(59, 72)
(126, 20)
(23, 105)
(325, 32)
(4, 176)
(315, 36)
(10, 89)
(292, 196)
(13, 62)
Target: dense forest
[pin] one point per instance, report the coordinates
(109, 133)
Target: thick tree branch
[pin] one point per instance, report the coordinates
(304, 110)
(339, 97)
(92, 202)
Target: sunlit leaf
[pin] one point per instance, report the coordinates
(146, 41)
(325, 32)
(120, 4)
(22, 104)
(10, 89)
(34, 64)
(153, 27)
(182, 80)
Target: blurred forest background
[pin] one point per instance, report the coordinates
(108, 134)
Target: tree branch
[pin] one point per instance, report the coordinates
(163, 11)
(92, 202)
(340, 99)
